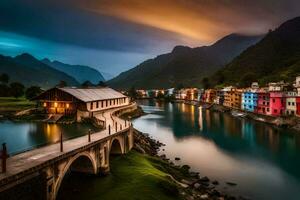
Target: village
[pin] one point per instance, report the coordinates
(277, 99)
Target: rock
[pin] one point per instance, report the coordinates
(177, 158)
(216, 193)
(187, 182)
(163, 156)
(197, 185)
(215, 182)
(204, 196)
(139, 149)
(231, 183)
(194, 174)
(204, 179)
(185, 167)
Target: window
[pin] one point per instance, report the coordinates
(101, 104)
(97, 104)
(91, 105)
(275, 110)
(273, 100)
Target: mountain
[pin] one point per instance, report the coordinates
(184, 65)
(79, 72)
(30, 71)
(276, 57)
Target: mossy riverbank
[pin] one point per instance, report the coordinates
(132, 176)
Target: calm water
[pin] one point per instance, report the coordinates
(21, 136)
(262, 160)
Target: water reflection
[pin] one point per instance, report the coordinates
(253, 154)
(22, 136)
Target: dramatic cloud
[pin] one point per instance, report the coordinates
(201, 20)
(130, 30)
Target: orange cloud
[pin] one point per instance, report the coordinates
(202, 21)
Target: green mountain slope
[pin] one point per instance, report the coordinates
(276, 57)
(30, 71)
(79, 72)
(184, 65)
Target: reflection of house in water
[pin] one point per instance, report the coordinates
(200, 119)
(83, 102)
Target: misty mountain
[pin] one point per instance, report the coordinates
(30, 71)
(184, 65)
(276, 57)
(79, 72)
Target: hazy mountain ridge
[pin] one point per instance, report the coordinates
(184, 65)
(276, 57)
(80, 72)
(30, 71)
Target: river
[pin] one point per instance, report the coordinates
(22, 136)
(264, 161)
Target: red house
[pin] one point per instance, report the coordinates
(277, 103)
(298, 106)
(263, 103)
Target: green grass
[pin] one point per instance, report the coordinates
(133, 176)
(11, 104)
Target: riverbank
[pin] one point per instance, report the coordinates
(10, 105)
(189, 185)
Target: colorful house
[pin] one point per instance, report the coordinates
(192, 94)
(210, 95)
(233, 98)
(291, 107)
(249, 100)
(277, 103)
(220, 97)
(263, 102)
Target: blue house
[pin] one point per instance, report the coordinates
(249, 101)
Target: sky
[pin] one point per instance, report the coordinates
(116, 35)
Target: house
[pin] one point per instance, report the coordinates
(277, 103)
(192, 94)
(83, 102)
(142, 93)
(291, 103)
(210, 95)
(220, 97)
(249, 100)
(277, 86)
(263, 102)
(297, 85)
(200, 95)
(233, 98)
(180, 94)
(169, 92)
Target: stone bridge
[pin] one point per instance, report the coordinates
(38, 174)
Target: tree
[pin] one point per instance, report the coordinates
(32, 92)
(17, 89)
(247, 79)
(4, 90)
(132, 93)
(87, 84)
(205, 83)
(4, 78)
(102, 84)
(62, 84)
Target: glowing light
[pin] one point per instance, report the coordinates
(55, 104)
(67, 105)
(45, 104)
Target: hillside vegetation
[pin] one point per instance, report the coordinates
(276, 57)
(184, 65)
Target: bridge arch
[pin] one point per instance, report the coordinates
(83, 159)
(116, 147)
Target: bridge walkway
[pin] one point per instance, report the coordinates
(30, 159)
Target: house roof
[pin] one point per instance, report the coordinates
(92, 94)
